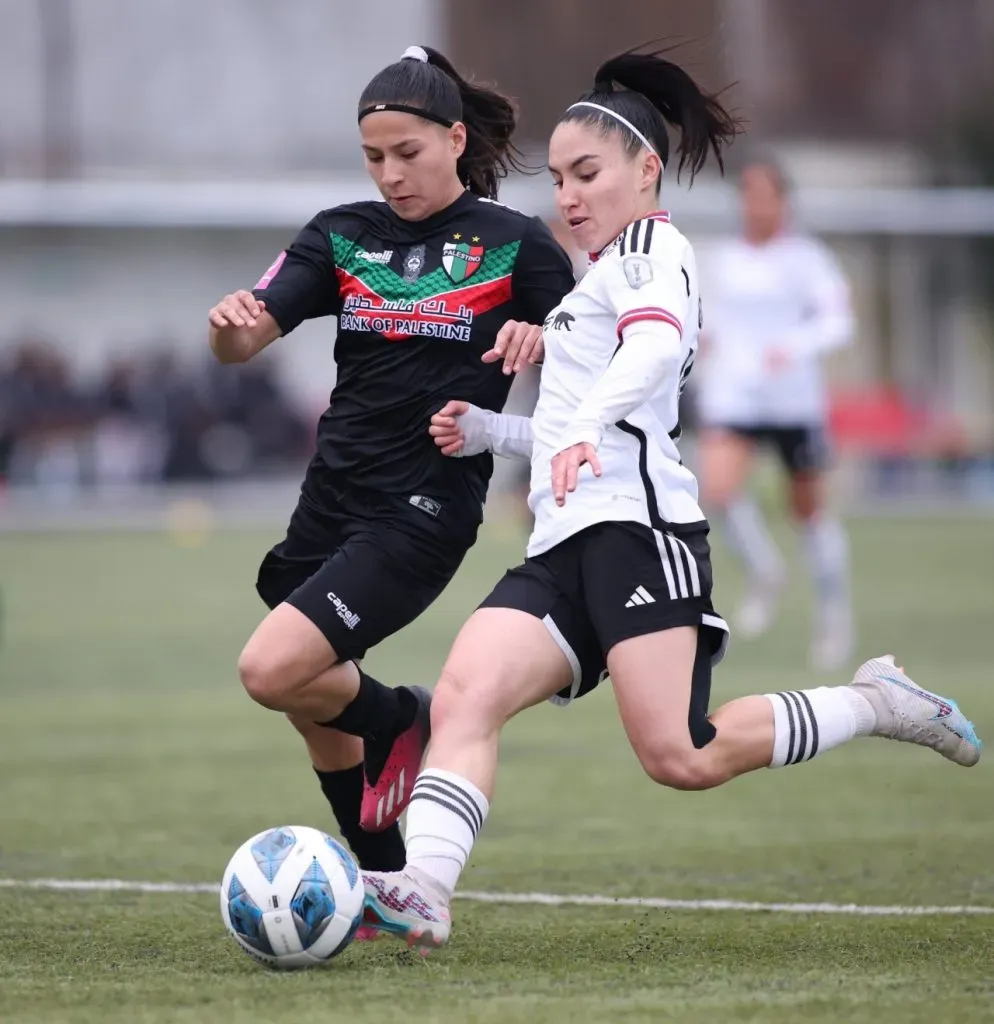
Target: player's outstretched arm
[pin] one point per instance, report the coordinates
(460, 428)
(240, 327)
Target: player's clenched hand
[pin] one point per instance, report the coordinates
(446, 429)
(240, 309)
(518, 344)
(566, 469)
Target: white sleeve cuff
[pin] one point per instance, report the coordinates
(581, 432)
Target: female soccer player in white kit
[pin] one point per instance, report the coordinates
(618, 575)
(777, 304)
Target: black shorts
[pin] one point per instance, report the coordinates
(801, 449)
(361, 565)
(614, 581)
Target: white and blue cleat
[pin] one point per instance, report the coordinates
(909, 713)
(401, 905)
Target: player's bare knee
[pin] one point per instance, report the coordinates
(677, 769)
(263, 677)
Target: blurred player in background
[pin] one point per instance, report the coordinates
(422, 284)
(777, 303)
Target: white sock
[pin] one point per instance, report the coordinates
(750, 539)
(828, 560)
(809, 722)
(444, 818)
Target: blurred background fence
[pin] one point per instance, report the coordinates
(154, 157)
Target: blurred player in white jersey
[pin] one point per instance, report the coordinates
(618, 574)
(777, 302)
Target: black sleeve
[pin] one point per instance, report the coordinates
(542, 273)
(302, 283)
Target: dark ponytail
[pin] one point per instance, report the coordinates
(435, 90)
(654, 92)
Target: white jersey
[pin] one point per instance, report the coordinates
(788, 295)
(618, 350)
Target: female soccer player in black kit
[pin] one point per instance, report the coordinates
(435, 289)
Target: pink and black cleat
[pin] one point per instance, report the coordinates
(385, 797)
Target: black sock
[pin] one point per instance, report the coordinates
(378, 712)
(375, 851)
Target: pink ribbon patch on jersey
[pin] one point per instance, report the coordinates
(267, 277)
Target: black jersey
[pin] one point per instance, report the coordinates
(418, 304)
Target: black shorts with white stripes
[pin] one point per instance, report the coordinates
(611, 582)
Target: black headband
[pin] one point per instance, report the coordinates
(416, 111)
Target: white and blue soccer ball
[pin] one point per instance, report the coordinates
(292, 897)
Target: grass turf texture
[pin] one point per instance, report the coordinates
(127, 750)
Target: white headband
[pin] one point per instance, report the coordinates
(415, 53)
(623, 120)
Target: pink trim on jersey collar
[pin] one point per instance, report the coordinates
(663, 215)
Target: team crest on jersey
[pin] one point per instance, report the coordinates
(461, 258)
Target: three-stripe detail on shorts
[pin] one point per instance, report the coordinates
(802, 739)
(683, 579)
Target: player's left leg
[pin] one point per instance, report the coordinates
(660, 679)
(660, 653)
(806, 457)
(502, 661)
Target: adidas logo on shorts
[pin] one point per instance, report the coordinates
(641, 596)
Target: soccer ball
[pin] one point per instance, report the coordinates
(292, 897)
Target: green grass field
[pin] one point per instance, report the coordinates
(127, 750)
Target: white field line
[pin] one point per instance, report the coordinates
(534, 899)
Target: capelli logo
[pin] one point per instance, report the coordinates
(347, 616)
(375, 257)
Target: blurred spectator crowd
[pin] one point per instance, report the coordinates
(149, 417)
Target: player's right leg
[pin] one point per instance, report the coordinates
(524, 646)
(502, 662)
(726, 454)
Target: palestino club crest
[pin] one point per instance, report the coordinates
(462, 259)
